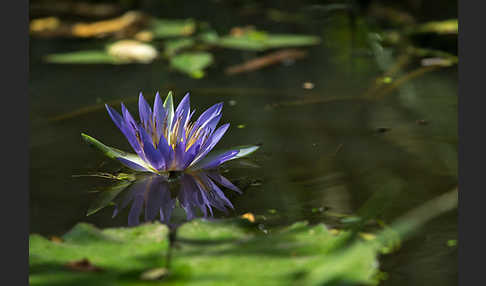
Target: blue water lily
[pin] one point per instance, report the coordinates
(167, 140)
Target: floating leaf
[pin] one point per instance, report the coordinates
(259, 40)
(192, 63)
(83, 57)
(174, 46)
(227, 252)
(165, 28)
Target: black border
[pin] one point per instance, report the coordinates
(471, 151)
(15, 135)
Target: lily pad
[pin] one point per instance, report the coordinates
(165, 28)
(174, 46)
(255, 40)
(192, 63)
(83, 57)
(225, 252)
(121, 52)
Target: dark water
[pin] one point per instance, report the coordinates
(328, 147)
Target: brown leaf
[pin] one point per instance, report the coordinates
(83, 265)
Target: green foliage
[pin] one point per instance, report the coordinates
(226, 252)
(192, 63)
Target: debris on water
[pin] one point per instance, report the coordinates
(120, 26)
(382, 129)
(427, 62)
(261, 227)
(240, 126)
(154, 274)
(452, 242)
(308, 85)
(133, 51)
(267, 60)
(248, 216)
(83, 265)
(272, 211)
(256, 183)
(232, 102)
(56, 239)
(144, 36)
(367, 236)
(422, 122)
(319, 209)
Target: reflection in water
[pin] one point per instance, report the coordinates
(157, 196)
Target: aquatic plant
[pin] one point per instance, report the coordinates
(167, 140)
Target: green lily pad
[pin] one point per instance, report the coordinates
(83, 57)
(165, 28)
(192, 63)
(227, 252)
(174, 46)
(255, 40)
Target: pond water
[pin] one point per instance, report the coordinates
(325, 151)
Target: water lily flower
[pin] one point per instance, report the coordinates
(167, 140)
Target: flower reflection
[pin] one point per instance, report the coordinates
(155, 197)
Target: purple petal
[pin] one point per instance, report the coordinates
(159, 115)
(132, 165)
(125, 128)
(219, 160)
(209, 145)
(165, 150)
(183, 109)
(145, 112)
(115, 116)
(153, 156)
(190, 154)
(179, 154)
(207, 115)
